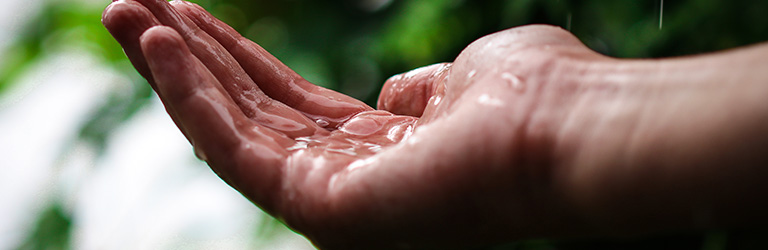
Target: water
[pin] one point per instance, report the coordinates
(470, 77)
(436, 99)
(200, 154)
(347, 151)
(513, 81)
(488, 100)
(322, 123)
(471, 74)
(372, 147)
(302, 143)
(336, 145)
(661, 14)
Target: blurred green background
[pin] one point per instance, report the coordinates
(348, 45)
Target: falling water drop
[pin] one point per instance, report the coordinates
(200, 154)
(661, 14)
(322, 123)
(568, 19)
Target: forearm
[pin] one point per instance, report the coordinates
(673, 143)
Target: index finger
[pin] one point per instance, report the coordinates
(248, 156)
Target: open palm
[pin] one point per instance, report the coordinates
(452, 152)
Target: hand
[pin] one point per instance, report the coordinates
(528, 133)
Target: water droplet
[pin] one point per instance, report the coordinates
(486, 99)
(361, 126)
(568, 19)
(408, 132)
(661, 14)
(200, 154)
(346, 151)
(297, 146)
(301, 143)
(513, 81)
(322, 123)
(359, 164)
(436, 99)
(372, 147)
(471, 74)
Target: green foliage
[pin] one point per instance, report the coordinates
(63, 25)
(60, 25)
(119, 107)
(51, 232)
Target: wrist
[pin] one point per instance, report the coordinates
(650, 145)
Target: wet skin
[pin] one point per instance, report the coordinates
(526, 134)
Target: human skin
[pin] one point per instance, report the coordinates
(528, 133)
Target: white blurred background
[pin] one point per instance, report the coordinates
(140, 187)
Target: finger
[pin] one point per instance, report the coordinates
(410, 92)
(243, 153)
(246, 94)
(274, 77)
(126, 21)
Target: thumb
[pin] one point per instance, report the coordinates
(408, 93)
